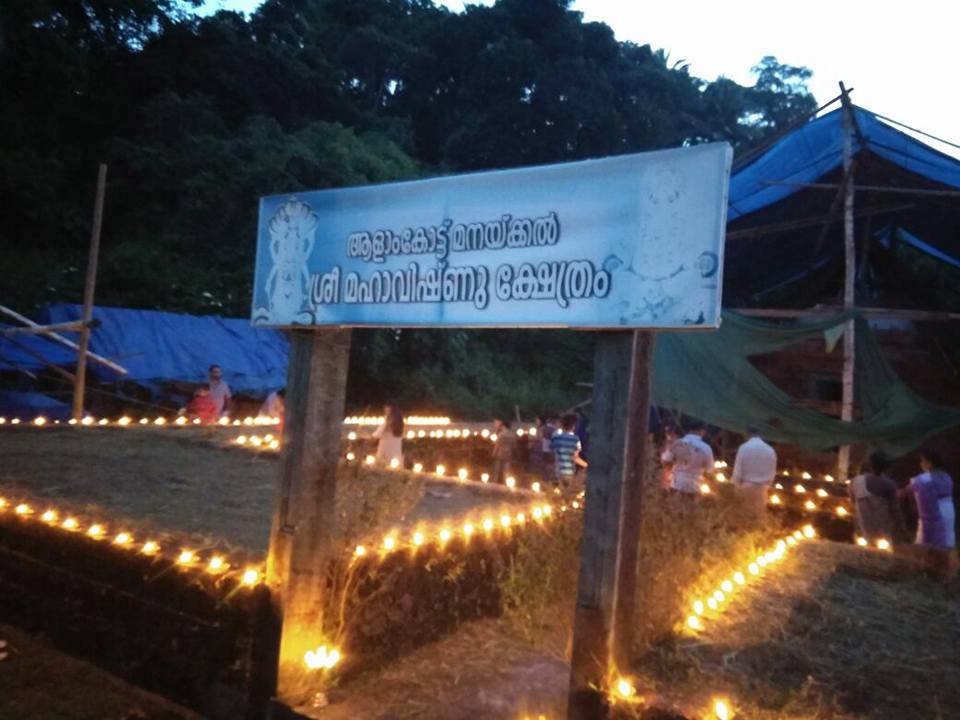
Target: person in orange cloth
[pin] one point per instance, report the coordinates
(203, 407)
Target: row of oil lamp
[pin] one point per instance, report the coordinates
(325, 657)
(717, 601)
(98, 531)
(775, 499)
(780, 495)
(270, 442)
(126, 421)
(714, 604)
(486, 526)
(250, 420)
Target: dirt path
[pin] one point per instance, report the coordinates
(483, 671)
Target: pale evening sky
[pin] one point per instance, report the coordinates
(900, 58)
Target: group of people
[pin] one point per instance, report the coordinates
(556, 451)
(687, 460)
(557, 455)
(211, 402)
(877, 497)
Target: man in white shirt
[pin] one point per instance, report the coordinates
(753, 471)
(689, 459)
(219, 391)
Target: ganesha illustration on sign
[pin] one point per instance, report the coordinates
(292, 235)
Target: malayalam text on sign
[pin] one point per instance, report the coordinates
(634, 241)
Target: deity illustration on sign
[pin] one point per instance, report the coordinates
(654, 260)
(292, 235)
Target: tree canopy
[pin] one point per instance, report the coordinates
(197, 117)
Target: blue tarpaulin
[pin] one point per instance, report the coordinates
(31, 404)
(19, 352)
(889, 236)
(159, 346)
(812, 151)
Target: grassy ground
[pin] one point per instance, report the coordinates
(836, 632)
(38, 683)
(193, 482)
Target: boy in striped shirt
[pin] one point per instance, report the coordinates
(566, 450)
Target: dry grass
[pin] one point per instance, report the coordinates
(680, 541)
(834, 632)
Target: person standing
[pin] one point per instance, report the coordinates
(754, 469)
(933, 491)
(541, 451)
(689, 458)
(219, 391)
(566, 451)
(874, 496)
(390, 436)
(504, 450)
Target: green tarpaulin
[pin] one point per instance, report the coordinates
(708, 375)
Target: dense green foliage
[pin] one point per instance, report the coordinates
(198, 117)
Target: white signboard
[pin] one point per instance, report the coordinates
(634, 241)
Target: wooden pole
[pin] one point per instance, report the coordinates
(637, 458)
(305, 520)
(88, 291)
(849, 282)
(607, 566)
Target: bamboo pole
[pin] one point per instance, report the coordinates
(849, 281)
(787, 226)
(49, 334)
(88, 292)
(42, 329)
(868, 188)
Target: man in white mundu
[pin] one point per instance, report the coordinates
(689, 458)
(754, 471)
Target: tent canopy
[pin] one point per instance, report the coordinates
(816, 149)
(785, 243)
(159, 346)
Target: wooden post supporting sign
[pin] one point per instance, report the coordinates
(605, 609)
(304, 518)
